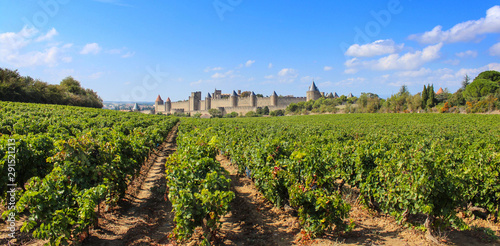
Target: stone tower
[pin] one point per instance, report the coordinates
(313, 92)
(158, 102)
(253, 99)
(168, 105)
(234, 99)
(274, 99)
(208, 102)
(194, 101)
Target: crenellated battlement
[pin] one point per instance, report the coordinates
(233, 102)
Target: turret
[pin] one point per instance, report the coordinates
(253, 99)
(274, 99)
(234, 99)
(158, 102)
(313, 92)
(208, 102)
(168, 105)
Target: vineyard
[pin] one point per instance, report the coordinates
(420, 169)
(426, 171)
(68, 160)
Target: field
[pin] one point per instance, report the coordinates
(427, 178)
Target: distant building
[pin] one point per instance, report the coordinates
(234, 102)
(440, 91)
(136, 108)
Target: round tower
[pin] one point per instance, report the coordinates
(253, 99)
(274, 99)
(234, 99)
(313, 92)
(168, 105)
(158, 102)
(208, 102)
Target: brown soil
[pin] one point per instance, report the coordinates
(142, 217)
(252, 219)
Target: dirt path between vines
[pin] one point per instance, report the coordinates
(255, 221)
(142, 217)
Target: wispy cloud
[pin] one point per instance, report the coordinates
(92, 48)
(377, 48)
(21, 49)
(495, 50)
(327, 68)
(463, 32)
(249, 63)
(48, 36)
(468, 53)
(408, 61)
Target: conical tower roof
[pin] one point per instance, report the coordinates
(253, 93)
(209, 96)
(158, 99)
(313, 87)
(168, 99)
(330, 95)
(136, 107)
(234, 94)
(274, 94)
(439, 91)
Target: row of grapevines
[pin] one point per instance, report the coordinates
(404, 165)
(198, 186)
(65, 171)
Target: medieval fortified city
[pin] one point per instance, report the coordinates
(239, 102)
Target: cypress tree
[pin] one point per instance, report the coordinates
(425, 96)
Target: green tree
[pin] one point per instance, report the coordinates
(215, 113)
(425, 97)
(480, 88)
(465, 82)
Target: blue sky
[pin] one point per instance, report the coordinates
(134, 50)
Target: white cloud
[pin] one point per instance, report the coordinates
(408, 61)
(249, 63)
(92, 48)
(128, 54)
(48, 36)
(270, 65)
(495, 50)
(468, 53)
(287, 75)
(453, 62)
(96, 75)
(309, 79)
(415, 73)
(210, 69)
(379, 47)
(67, 46)
(21, 49)
(472, 72)
(228, 74)
(327, 68)
(269, 77)
(463, 32)
(67, 59)
(287, 72)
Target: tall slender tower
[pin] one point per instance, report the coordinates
(208, 102)
(313, 92)
(168, 105)
(234, 99)
(253, 99)
(159, 102)
(274, 99)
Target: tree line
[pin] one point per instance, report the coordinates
(480, 95)
(17, 88)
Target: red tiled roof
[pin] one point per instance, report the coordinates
(158, 99)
